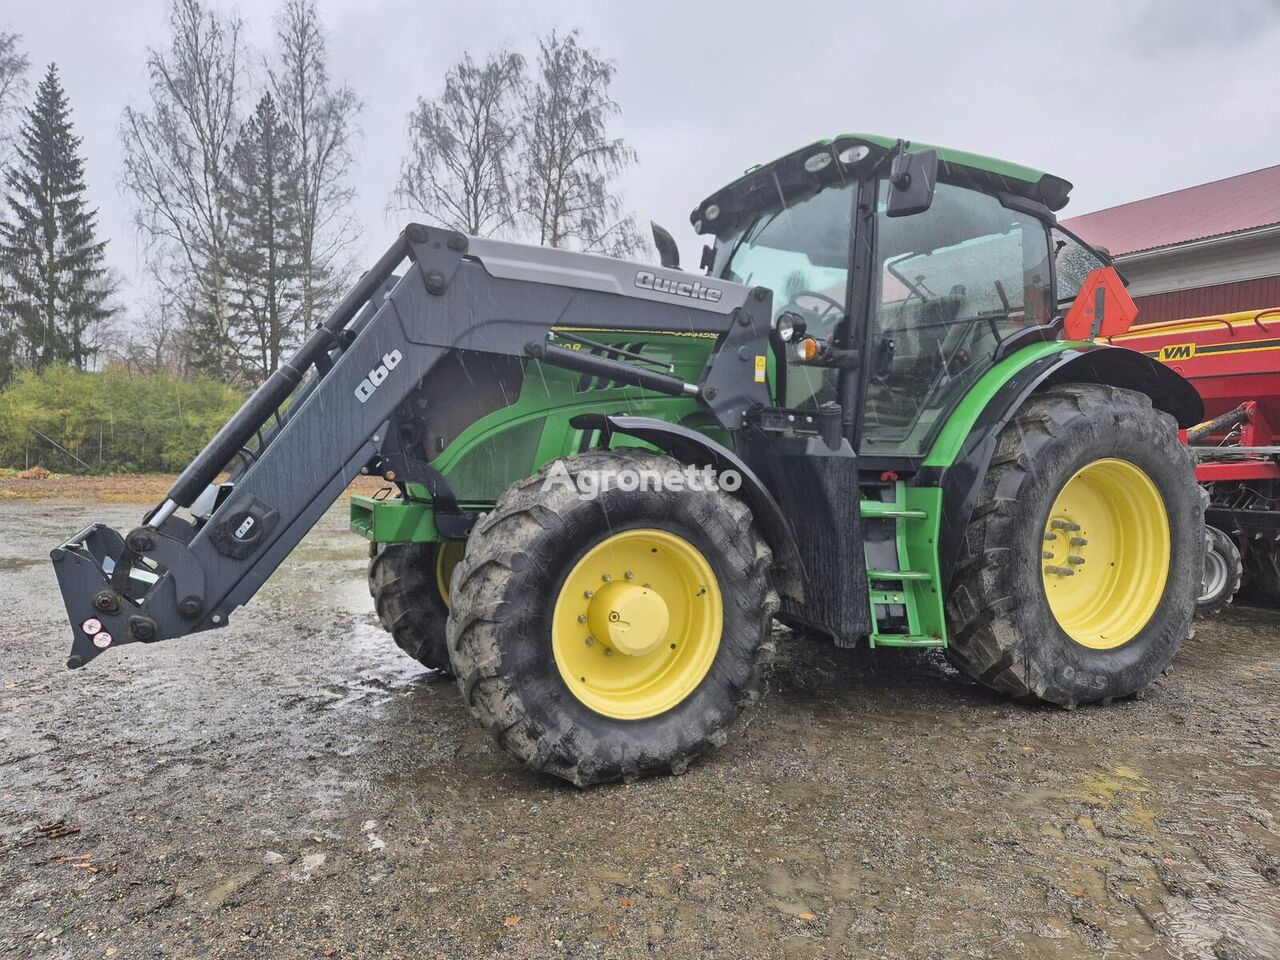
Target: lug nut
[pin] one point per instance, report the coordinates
(591, 641)
(1079, 542)
(608, 652)
(1046, 554)
(1060, 571)
(606, 578)
(582, 618)
(1075, 560)
(629, 575)
(588, 594)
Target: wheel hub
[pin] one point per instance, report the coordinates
(637, 623)
(633, 619)
(1106, 553)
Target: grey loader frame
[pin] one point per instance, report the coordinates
(325, 416)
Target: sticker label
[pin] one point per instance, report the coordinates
(102, 640)
(760, 368)
(91, 626)
(1177, 351)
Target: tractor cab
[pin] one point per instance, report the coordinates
(901, 275)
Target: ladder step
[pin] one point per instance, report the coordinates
(906, 640)
(888, 597)
(890, 511)
(898, 575)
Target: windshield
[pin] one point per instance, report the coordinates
(797, 249)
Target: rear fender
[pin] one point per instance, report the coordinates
(961, 479)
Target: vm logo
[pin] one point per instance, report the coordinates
(378, 374)
(1177, 351)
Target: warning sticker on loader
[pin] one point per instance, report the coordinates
(760, 368)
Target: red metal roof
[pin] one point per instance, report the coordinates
(1242, 202)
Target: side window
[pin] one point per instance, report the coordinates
(1072, 264)
(951, 284)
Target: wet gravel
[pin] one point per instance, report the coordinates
(292, 786)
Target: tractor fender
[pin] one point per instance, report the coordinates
(691, 447)
(961, 481)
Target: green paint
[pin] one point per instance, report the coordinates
(958, 426)
(915, 584)
(961, 158)
(518, 440)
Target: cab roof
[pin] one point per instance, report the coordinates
(792, 171)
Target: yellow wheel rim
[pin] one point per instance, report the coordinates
(448, 556)
(637, 624)
(1106, 554)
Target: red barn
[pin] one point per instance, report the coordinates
(1205, 250)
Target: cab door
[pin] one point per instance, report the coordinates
(948, 286)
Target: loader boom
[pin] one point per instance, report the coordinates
(331, 408)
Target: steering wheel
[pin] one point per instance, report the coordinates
(821, 322)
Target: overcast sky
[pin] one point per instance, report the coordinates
(1125, 99)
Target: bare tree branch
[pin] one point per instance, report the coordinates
(321, 120)
(176, 165)
(568, 195)
(457, 171)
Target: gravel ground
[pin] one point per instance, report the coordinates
(294, 787)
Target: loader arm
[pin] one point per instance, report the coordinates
(327, 415)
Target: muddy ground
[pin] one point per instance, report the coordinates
(294, 787)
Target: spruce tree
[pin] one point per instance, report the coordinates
(265, 249)
(52, 262)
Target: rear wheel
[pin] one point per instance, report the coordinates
(1222, 570)
(409, 583)
(609, 638)
(1081, 565)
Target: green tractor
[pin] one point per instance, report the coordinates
(861, 419)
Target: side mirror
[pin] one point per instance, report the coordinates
(911, 181)
(668, 252)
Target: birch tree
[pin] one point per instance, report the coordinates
(458, 172)
(176, 166)
(13, 84)
(320, 118)
(571, 163)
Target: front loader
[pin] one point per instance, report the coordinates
(863, 418)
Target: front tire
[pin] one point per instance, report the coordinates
(409, 583)
(1079, 573)
(610, 638)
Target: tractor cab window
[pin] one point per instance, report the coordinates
(1072, 263)
(950, 284)
(799, 249)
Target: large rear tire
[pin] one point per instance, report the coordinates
(1079, 573)
(409, 583)
(610, 638)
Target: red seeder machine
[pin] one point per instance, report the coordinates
(1233, 361)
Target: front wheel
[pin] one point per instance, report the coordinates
(609, 637)
(409, 583)
(1082, 563)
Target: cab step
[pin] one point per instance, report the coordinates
(874, 575)
(907, 640)
(909, 613)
